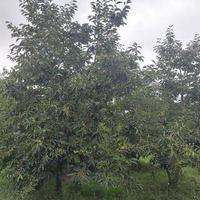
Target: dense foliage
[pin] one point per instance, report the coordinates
(78, 104)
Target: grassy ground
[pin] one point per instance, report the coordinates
(152, 188)
(157, 189)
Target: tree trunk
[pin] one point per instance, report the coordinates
(169, 177)
(173, 176)
(58, 180)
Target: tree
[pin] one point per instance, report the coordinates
(173, 73)
(50, 53)
(65, 77)
(191, 115)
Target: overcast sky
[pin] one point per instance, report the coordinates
(147, 21)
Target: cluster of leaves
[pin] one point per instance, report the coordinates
(78, 103)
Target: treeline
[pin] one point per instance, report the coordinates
(78, 102)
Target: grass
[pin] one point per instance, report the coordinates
(5, 188)
(157, 188)
(152, 188)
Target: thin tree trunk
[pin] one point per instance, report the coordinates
(173, 177)
(58, 180)
(169, 177)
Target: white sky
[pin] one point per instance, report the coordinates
(147, 21)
